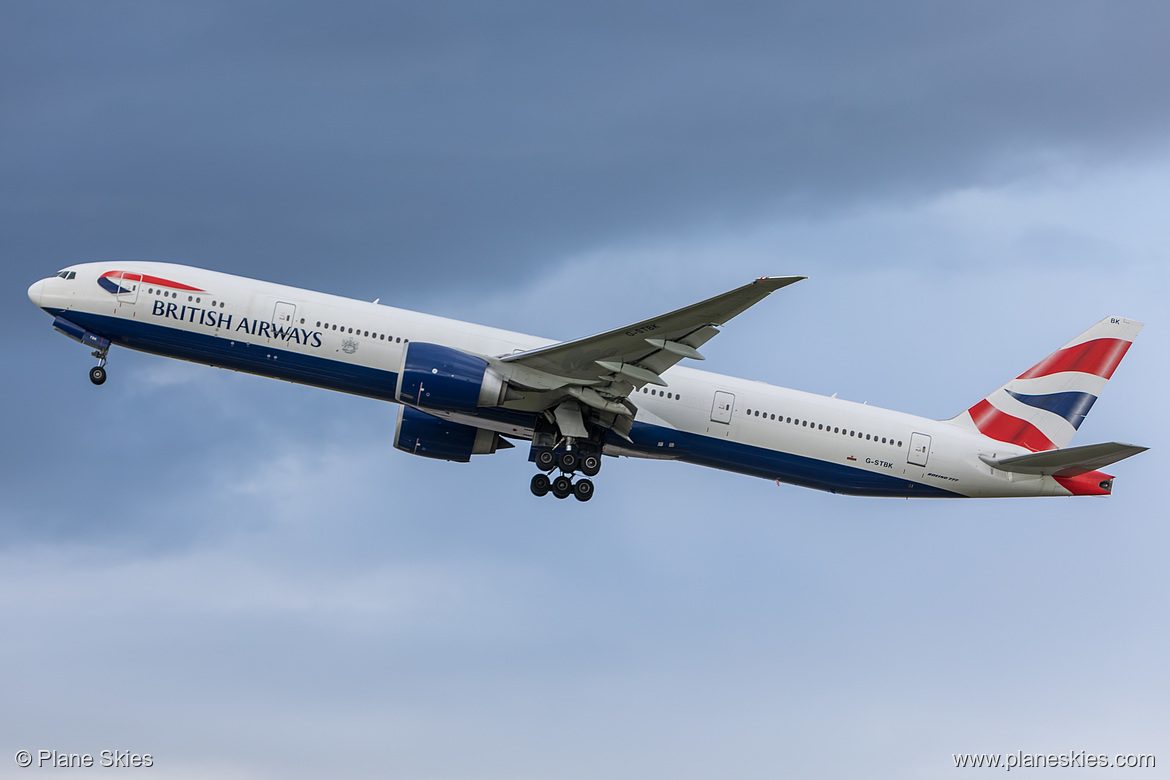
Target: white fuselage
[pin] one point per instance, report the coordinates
(700, 417)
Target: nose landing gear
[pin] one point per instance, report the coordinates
(97, 374)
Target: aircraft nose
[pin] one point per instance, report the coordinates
(34, 292)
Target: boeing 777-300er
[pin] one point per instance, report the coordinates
(468, 389)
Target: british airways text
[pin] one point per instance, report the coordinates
(216, 319)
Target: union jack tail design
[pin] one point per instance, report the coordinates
(1042, 408)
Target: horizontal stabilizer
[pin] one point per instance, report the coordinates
(1068, 462)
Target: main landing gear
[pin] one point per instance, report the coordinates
(562, 487)
(97, 374)
(550, 453)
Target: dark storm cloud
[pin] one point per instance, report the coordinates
(488, 139)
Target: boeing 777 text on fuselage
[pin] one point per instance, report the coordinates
(468, 389)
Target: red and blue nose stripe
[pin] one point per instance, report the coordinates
(108, 283)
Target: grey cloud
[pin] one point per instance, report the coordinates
(490, 140)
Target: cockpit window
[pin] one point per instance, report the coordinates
(66, 274)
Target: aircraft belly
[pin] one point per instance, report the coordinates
(767, 463)
(238, 355)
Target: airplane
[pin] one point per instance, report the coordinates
(467, 389)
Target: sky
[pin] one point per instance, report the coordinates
(242, 576)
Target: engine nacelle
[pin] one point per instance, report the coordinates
(432, 437)
(438, 377)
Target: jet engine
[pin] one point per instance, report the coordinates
(432, 437)
(438, 377)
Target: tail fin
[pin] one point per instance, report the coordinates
(1042, 408)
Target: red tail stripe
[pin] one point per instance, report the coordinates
(1099, 357)
(1002, 426)
(1085, 484)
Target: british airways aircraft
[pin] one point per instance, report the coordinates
(467, 389)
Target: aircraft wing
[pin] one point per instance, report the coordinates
(638, 354)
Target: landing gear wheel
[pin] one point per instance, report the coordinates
(540, 485)
(546, 460)
(97, 375)
(583, 490)
(568, 462)
(562, 486)
(590, 465)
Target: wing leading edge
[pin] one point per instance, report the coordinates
(588, 382)
(640, 352)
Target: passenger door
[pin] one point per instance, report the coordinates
(128, 283)
(284, 314)
(919, 449)
(722, 407)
